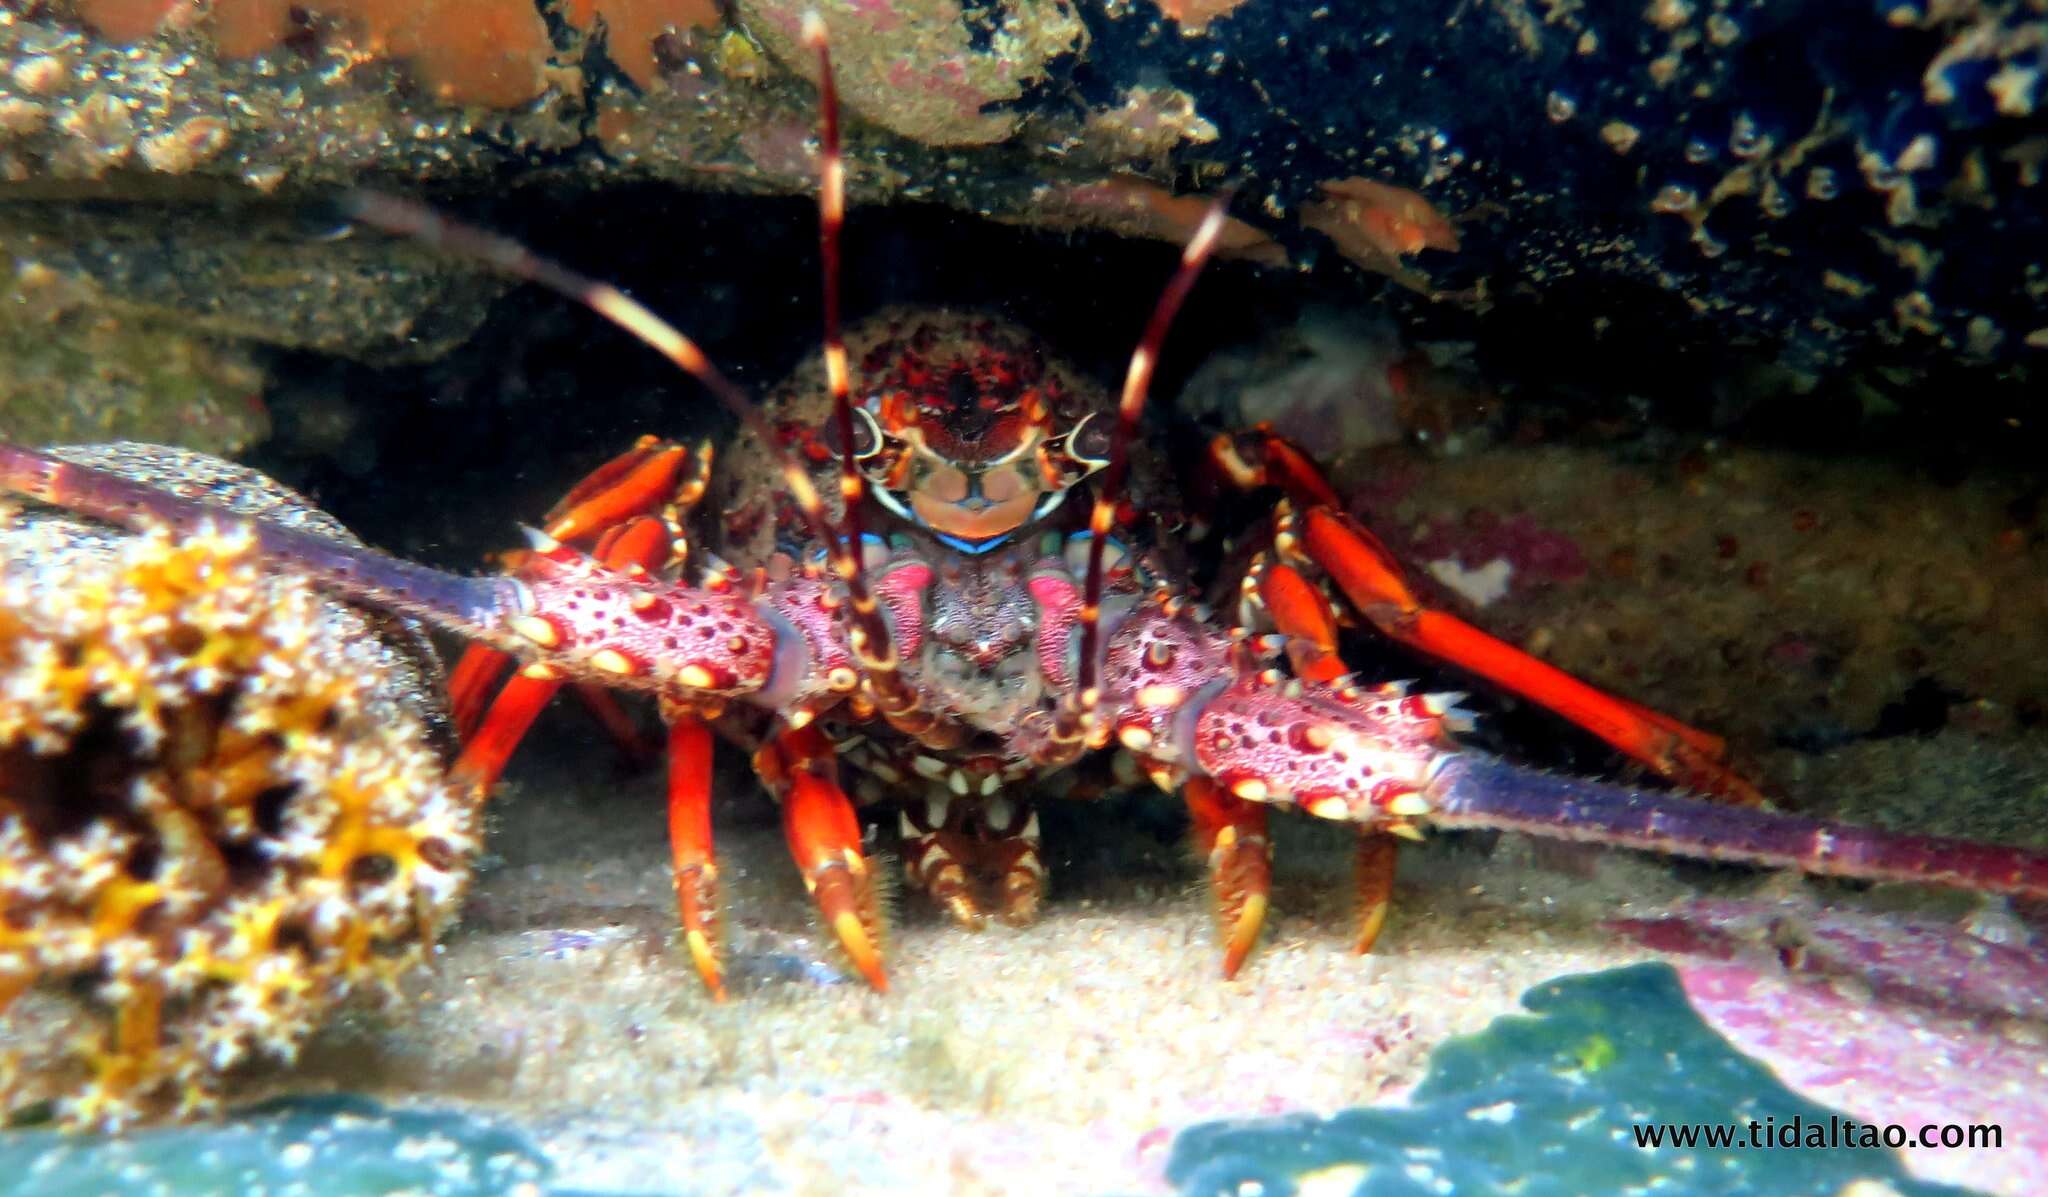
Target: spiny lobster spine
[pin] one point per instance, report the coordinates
(1471, 790)
(1187, 699)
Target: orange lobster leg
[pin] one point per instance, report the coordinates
(1260, 457)
(1372, 875)
(633, 483)
(1365, 572)
(484, 756)
(824, 838)
(1230, 834)
(470, 684)
(1301, 612)
(689, 838)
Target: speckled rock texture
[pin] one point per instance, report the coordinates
(1832, 195)
(223, 804)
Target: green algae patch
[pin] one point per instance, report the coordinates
(340, 1146)
(1547, 1105)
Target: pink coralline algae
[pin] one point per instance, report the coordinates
(1532, 552)
(1892, 1018)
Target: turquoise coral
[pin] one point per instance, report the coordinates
(1542, 1105)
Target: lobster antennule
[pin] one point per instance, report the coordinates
(831, 218)
(1471, 790)
(1074, 716)
(870, 636)
(475, 605)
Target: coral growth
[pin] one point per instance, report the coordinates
(220, 814)
(488, 52)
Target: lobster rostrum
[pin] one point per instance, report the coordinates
(921, 606)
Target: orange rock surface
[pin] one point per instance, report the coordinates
(632, 27)
(488, 52)
(1195, 15)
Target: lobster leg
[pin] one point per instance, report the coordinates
(1230, 834)
(1367, 574)
(1300, 610)
(470, 684)
(1372, 876)
(798, 766)
(627, 513)
(949, 844)
(485, 753)
(689, 837)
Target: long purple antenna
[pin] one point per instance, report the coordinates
(1472, 790)
(476, 605)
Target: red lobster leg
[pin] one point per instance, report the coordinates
(490, 746)
(1365, 572)
(470, 684)
(689, 837)
(824, 838)
(635, 483)
(1369, 577)
(1230, 834)
(1304, 615)
(624, 513)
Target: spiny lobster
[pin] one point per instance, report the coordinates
(977, 642)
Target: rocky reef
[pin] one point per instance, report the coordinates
(222, 806)
(1849, 199)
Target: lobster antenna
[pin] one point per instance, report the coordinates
(869, 635)
(831, 218)
(405, 218)
(1137, 382)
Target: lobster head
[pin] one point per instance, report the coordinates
(968, 434)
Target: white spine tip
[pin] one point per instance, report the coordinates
(813, 29)
(541, 541)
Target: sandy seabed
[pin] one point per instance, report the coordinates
(1052, 1060)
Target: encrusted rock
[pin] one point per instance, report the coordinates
(223, 805)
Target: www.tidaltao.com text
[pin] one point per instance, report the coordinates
(1812, 1133)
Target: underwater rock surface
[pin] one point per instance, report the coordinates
(318, 1147)
(1542, 1105)
(223, 803)
(1834, 192)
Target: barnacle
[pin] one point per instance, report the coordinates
(220, 814)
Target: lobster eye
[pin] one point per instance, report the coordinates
(1088, 443)
(867, 435)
